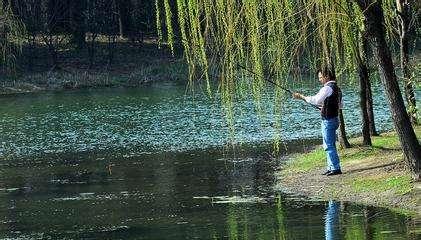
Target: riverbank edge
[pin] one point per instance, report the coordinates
(73, 79)
(374, 176)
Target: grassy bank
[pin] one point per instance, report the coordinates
(371, 175)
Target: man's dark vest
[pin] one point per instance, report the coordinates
(330, 107)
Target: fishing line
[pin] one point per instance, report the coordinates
(274, 83)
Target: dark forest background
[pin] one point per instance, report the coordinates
(84, 43)
(116, 37)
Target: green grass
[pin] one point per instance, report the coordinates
(307, 161)
(385, 150)
(385, 145)
(317, 158)
(386, 141)
(398, 184)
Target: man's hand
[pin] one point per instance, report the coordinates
(298, 96)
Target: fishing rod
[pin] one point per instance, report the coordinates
(276, 84)
(267, 79)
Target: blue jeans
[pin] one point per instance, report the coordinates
(329, 142)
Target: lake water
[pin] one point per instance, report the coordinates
(155, 163)
(162, 117)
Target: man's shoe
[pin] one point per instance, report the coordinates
(325, 173)
(334, 172)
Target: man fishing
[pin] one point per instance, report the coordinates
(329, 98)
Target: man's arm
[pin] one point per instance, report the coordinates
(317, 99)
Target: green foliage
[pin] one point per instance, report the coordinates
(12, 33)
(168, 18)
(158, 22)
(267, 37)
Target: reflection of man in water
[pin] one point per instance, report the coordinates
(332, 221)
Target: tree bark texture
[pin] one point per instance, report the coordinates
(374, 24)
(363, 76)
(369, 94)
(370, 110)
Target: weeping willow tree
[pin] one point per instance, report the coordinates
(401, 22)
(268, 37)
(12, 32)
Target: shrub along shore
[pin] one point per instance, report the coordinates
(371, 175)
(132, 65)
(79, 79)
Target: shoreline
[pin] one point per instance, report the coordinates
(374, 176)
(74, 79)
(131, 65)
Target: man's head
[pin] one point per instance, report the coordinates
(325, 75)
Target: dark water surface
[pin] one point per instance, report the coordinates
(150, 164)
(193, 195)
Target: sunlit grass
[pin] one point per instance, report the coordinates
(384, 147)
(307, 161)
(399, 184)
(376, 172)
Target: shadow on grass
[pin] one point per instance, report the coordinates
(386, 148)
(371, 168)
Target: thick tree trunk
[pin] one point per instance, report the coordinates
(404, 12)
(343, 140)
(125, 18)
(374, 24)
(363, 76)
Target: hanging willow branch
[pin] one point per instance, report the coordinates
(12, 32)
(269, 37)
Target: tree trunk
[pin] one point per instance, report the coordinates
(363, 76)
(78, 23)
(125, 18)
(111, 47)
(54, 58)
(404, 12)
(343, 140)
(370, 111)
(374, 24)
(369, 94)
(91, 51)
